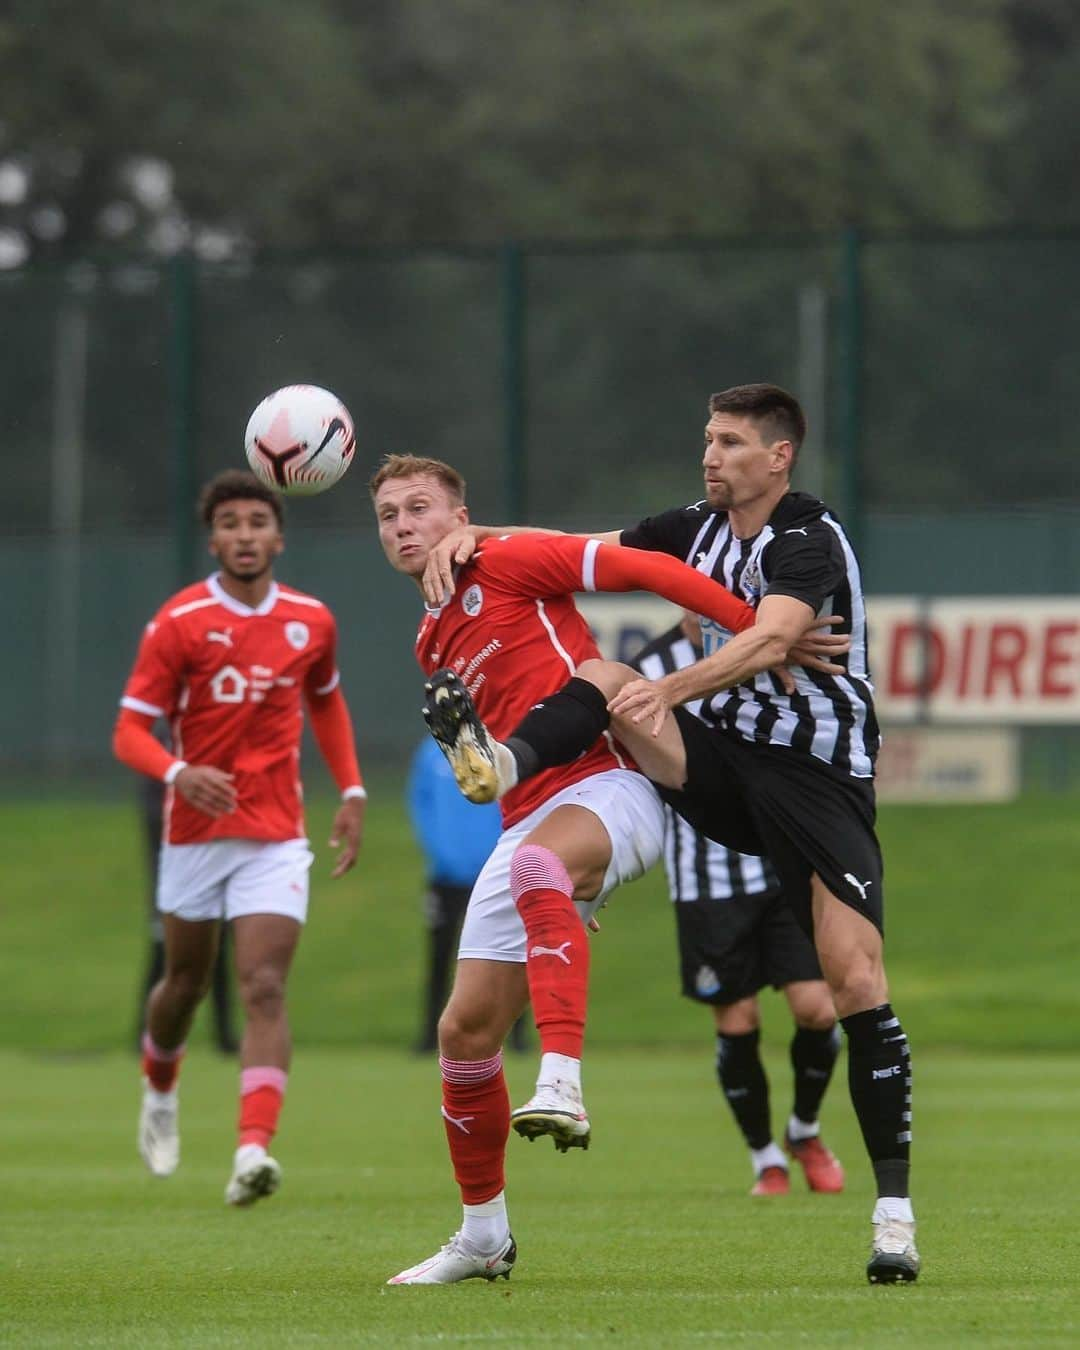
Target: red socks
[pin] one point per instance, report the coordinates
(557, 948)
(160, 1067)
(262, 1091)
(476, 1113)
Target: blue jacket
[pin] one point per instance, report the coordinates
(455, 835)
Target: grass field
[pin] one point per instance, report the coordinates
(649, 1239)
(983, 932)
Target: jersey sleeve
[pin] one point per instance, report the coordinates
(156, 678)
(669, 532)
(807, 564)
(323, 676)
(549, 565)
(535, 565)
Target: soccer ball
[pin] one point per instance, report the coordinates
(300, 439)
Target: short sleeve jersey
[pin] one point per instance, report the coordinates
(513, 635)
(229, 680)
(802, 552)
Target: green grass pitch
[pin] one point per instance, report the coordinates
(650, 1238)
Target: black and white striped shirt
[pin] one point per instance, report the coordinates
(803, 552)
(698, 868)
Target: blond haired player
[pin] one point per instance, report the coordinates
(508, 635)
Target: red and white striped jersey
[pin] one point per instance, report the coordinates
(229, 679)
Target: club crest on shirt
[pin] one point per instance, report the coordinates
(297, 634)
(750, 582)
(472, 602)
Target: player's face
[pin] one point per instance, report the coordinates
(413, 515)
(245, 538)
(739, 466)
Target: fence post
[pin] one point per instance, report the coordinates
(513, 317)
(182, 337)
(851, 365)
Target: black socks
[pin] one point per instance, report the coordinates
(879, 1076)
(560, 729)
(813, 1055)
(743, 1081)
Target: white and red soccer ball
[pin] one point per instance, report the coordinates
(300, 439)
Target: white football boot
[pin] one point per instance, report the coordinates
(255, 1174)
(556, 1109)
(457, 1261)
(159, 1130)
(893, 1258)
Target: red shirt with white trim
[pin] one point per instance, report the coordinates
(512, 634)
(229, 679)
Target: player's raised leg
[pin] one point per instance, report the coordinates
(264, 945)
(487, 999)
(190, 949)
(555, 732)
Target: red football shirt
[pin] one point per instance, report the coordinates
(513, 635)
(229, 679)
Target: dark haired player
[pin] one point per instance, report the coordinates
(763, 770)
(229, 662)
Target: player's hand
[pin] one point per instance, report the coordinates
(209, 790)
(641, 701)
(452, 550)
(346, 833)
(817, 646)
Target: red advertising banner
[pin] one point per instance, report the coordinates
(1000, 660)
(1011, 659)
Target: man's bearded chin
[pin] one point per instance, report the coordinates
(246, 571)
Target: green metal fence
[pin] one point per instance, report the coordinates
(568, 384)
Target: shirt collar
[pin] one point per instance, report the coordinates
(214, 586)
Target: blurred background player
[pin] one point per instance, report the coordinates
(456, 838)
(226, 660)
(736, 935)
(151, 806)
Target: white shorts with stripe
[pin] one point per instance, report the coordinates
(227, 878)
(627, 806)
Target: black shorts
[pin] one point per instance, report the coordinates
(804, 815)
(729, 949)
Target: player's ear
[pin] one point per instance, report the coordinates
(783, 453)
(279, 545)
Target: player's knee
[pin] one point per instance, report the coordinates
(608, 676)
(187, 985)
(857, 986)
(469, 1032)
(263, 992)
(818, 1018)
(813, 1008)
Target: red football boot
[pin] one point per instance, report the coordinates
(821, 1165)
(772, 1181)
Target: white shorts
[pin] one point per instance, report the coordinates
(226, 878)
(627, 806)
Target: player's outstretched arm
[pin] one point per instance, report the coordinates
(781, 622)
(459, 545)
(633, 569)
